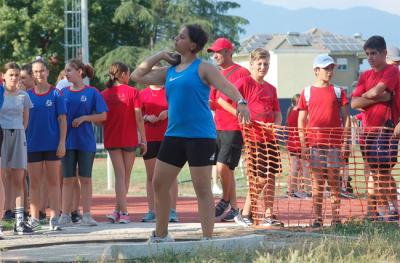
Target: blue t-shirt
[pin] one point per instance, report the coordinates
(43, 133)
(189, 114)
(1, 95)
(87, 101)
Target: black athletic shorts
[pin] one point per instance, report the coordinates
(81, 159)
(34, 157)
(124, 149)
(229, 148)
(265, 159)
(196, 151)
(152, 150)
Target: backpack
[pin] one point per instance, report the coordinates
(337, 89)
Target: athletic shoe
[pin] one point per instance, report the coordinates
(317, 223)
(33, 223)
(346, 194)
(124, 218)
(9, 215)
(173, 218)
(53, 224)
(375, 216)
(149, 217)
(336, 222)
(271, 221)
(349, 186)
(76, 217)
(242, 220)
(230, 216)
(300, 194)
(113, 217)
(65, 220)
(1, 233)
(221, 207)
(393, 216)
(87, 220)
(42, 217)
(22, 229)
(154, 239)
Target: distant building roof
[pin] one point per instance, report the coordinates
(313, 39)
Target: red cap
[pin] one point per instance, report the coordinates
(220, 44)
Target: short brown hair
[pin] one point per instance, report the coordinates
(259, 53)
(11, 65)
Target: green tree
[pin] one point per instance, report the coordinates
(30, 28)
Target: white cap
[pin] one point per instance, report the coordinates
(393, 54)
(322, 61)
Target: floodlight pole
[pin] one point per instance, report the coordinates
(85, 31)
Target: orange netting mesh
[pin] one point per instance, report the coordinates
(338, 175)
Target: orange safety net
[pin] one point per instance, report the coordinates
(334, 176)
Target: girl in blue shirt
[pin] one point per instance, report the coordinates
(191, 134)
(85, 105)
(46, 143)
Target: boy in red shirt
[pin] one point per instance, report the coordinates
(373, 94)
(264, 107)
(325, 108)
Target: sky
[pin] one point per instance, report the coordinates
(391, 6)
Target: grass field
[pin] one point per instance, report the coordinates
(138, 179)
(350, 243)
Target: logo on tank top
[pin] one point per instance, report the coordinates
(172, 79)
(83, 98)
(212, 158)
(49, 103)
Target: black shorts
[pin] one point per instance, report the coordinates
(81, 159)
(265, 159)
(196, 151)
(381, 167)
(34, 157)
(229, 148)
(124, 149)
(152, 150)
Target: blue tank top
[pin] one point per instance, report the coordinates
(189, 114)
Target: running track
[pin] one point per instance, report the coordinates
(290, 211)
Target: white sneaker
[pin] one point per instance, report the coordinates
(33, 223)
(87, 220)
(53, 224)
(154, 239)
(65, 220)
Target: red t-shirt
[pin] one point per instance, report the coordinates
(120, 129)
(154, 102)
(396, 102)
(294, 144)
(377, 114)
(323, 112)
(262, 101)
(226, 121)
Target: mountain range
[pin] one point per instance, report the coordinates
(268, 19)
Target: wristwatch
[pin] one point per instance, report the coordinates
(242, 101)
